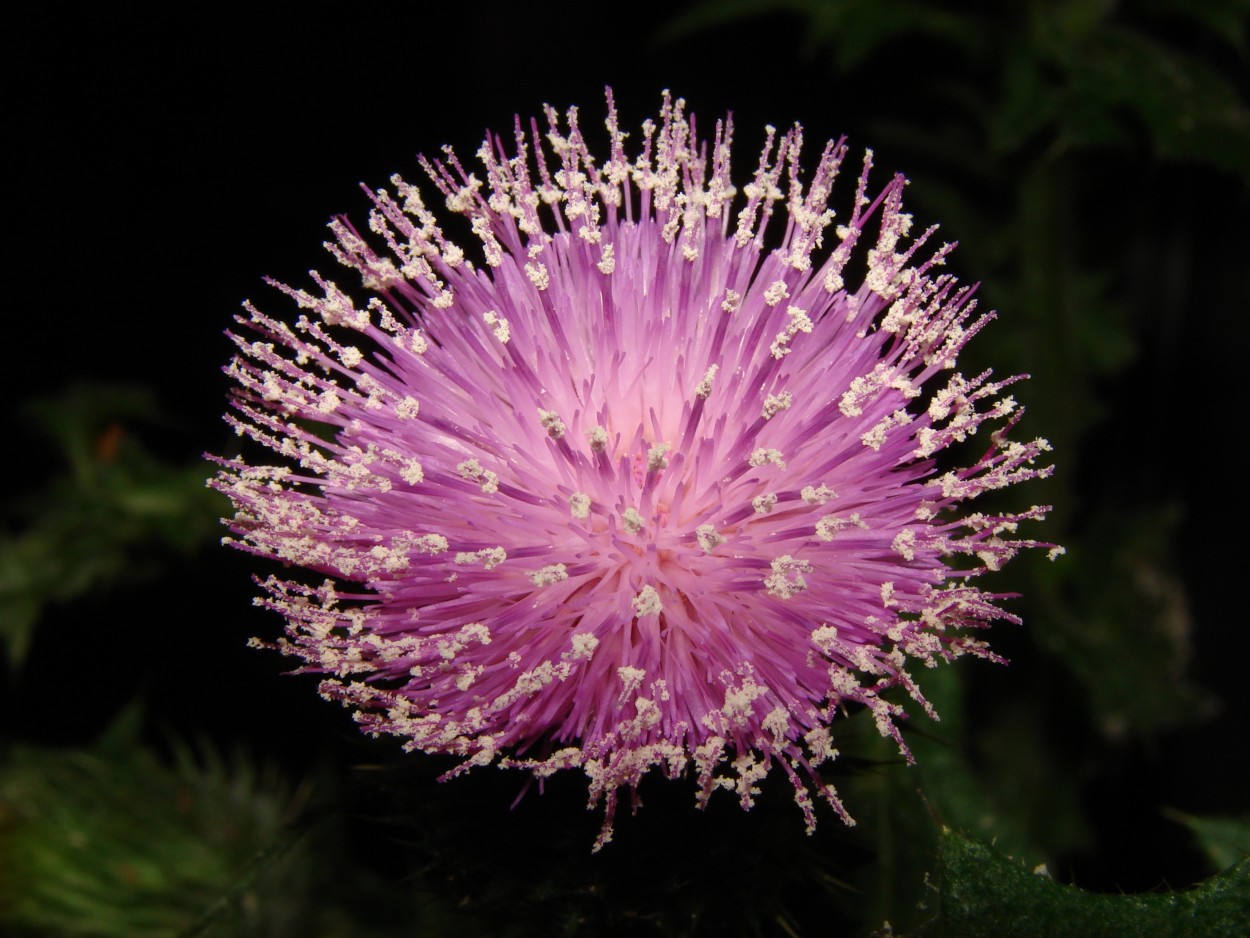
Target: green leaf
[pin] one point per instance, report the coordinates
(981, 892)
(1225, 840)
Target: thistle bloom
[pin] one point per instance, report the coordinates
(626, 486)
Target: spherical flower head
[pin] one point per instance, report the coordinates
(625, 486)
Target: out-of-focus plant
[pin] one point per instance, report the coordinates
(1225, 840)
(111, 841)
(115, 513)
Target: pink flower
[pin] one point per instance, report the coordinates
(624, 487)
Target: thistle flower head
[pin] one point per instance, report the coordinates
(638, 482)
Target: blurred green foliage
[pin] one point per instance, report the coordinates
(851, 31)
(1225, 840)
(115, 513)
(112, 841)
